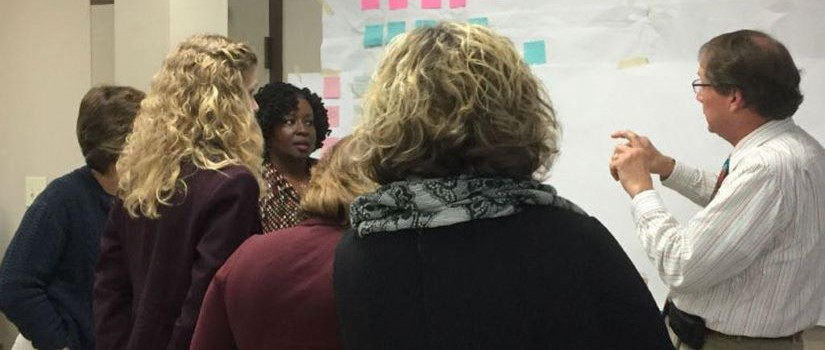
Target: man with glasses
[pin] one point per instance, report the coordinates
(746, 272)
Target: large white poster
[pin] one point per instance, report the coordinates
(607, 65)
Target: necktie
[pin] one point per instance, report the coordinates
(722, 174)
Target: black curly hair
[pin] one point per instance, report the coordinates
(278, 99)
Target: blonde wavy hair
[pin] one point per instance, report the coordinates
(197, 111)
(455, 99)
(335, 183)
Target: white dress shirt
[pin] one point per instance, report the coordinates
(752, 262)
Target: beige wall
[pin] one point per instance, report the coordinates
(188, 17)
(45, 70)
(302, 36)
(103, 44)
(141, 40)
(249, 22)
(146, 30)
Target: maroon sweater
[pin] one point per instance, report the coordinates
(152, 274)
(275, 292)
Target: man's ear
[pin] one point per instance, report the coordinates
(736, 101)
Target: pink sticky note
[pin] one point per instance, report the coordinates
(370, 4)
(398, 4)
(430, 4)
(332, 87)
(332, 115)
(458, 3)
(328, 142)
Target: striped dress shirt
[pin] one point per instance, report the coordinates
(752, 261)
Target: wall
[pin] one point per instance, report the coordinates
(103, 44)
(188, 17)
(249, 22)
(302, 36)
(146, 30)
(141, 40)
(45, 48)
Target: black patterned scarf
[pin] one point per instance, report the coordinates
(441, 202)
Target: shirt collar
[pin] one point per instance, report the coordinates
(758, 137)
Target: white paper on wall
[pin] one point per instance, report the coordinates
(607, 65)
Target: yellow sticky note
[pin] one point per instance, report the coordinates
(633, 62)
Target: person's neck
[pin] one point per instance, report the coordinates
(293, 169)
(746, 123)
(107, 181)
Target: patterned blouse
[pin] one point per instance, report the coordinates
(280, 205)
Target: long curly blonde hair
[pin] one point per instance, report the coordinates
(455, 99)
(335, 183)
(197, 111)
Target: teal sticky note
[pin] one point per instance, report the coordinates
(425, 23)
(482, 21)
(373, 35)
(534, 52)
(394, 29)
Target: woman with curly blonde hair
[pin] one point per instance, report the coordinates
(188, 191)
(462, 247)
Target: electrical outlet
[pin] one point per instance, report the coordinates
(34, 185)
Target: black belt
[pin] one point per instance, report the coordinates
(795, 336)
(691, 329)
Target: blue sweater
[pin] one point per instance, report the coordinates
(46, 277)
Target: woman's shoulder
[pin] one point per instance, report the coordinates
(548, 215)
(287, 245)
(213, 177)
(204, 187)
(563, 223)
(309, 233)
(233, 170)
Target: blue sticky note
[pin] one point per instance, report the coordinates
(373, 35)
(394, 29)
(534, 52)
(425, 23)
(482, 21)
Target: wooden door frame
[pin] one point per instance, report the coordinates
(275, 42)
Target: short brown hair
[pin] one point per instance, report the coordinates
(335, 183)
(105, 118)
(757, 65)
(455, 99)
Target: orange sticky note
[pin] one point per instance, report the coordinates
(333, 112)
(332, 87)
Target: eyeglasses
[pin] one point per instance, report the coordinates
(698, 84)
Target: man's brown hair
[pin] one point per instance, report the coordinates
(105, 118)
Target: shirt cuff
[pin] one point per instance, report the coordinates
(679, 175)
(645, 202)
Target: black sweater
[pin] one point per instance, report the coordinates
(545, 278)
